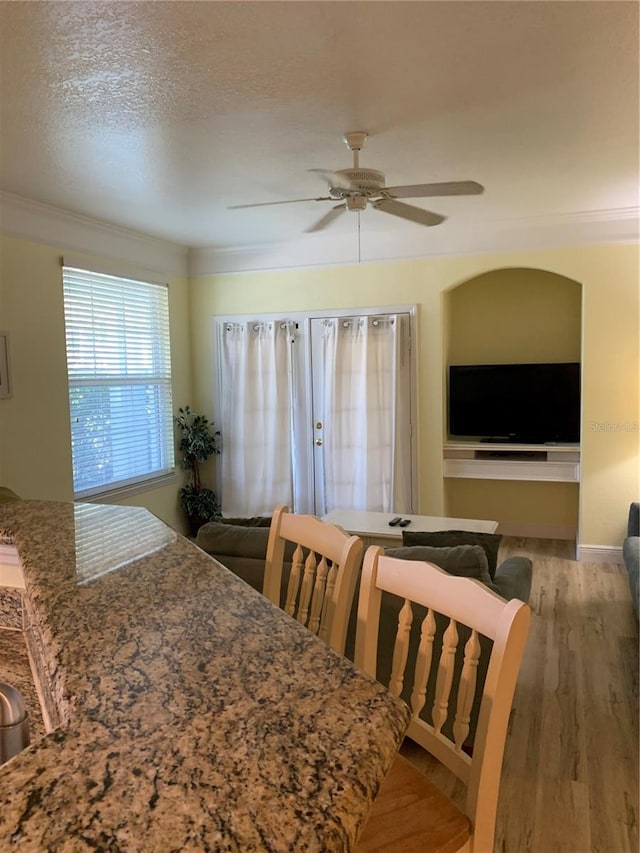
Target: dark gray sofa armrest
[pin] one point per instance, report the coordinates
(513, 578)
(631, 553)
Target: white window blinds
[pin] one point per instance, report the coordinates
(119, 368)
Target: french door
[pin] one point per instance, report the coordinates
(361, 385)
(315, 412)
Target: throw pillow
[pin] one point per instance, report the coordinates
(463, 561)
(489, 542)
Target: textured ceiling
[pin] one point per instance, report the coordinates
(157, 116)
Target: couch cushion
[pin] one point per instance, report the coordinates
(254, 521)
(489, 542)
(464, 561)
(233, 540)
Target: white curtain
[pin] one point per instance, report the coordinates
(366, 414)
(255, 378)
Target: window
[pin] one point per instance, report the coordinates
(119, 368)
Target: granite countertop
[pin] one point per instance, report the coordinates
(196, 716)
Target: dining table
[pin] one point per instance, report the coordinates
(183, 710)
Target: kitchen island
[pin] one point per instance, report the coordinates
(188, 713)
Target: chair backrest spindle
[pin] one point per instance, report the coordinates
(458, 611)
(324, 571)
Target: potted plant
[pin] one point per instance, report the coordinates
(198, 440)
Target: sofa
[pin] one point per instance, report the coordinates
(241, 544)
(7, 495)
(631, 552)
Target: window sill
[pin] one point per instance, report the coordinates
(117, 494)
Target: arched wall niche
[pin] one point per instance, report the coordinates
(513, 314)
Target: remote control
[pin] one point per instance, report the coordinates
(394, 521)
(404, 523)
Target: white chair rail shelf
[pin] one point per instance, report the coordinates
(559, 463)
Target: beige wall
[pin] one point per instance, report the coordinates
(547, 510)
(35, 449)
(34, 430)
(514, 315)
(609, 276)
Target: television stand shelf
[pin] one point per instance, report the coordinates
(558, 463)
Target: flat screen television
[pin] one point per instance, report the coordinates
(525, 403)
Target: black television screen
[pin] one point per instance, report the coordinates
(527, 403)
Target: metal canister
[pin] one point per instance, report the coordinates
(14, 722)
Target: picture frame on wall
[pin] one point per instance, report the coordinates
(5, 366)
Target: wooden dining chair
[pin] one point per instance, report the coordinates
(325, 566)
(410, 813)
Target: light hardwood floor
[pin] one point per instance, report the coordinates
(570, 772)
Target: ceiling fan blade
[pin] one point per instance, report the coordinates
(441, 189)
(408, 211)
(335, 179)
(327, 219)
(288, 201)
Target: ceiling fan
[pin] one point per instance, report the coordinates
(356, 188)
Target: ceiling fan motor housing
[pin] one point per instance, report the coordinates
(366, 182)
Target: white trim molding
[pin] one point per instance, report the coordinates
(600, 554)
(114, 496)
(325, 249)
(42, 223)
(31, 220)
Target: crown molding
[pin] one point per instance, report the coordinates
(31, 220)
(621, 225)
(42, 223)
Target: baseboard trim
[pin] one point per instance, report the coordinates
(599, 554)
